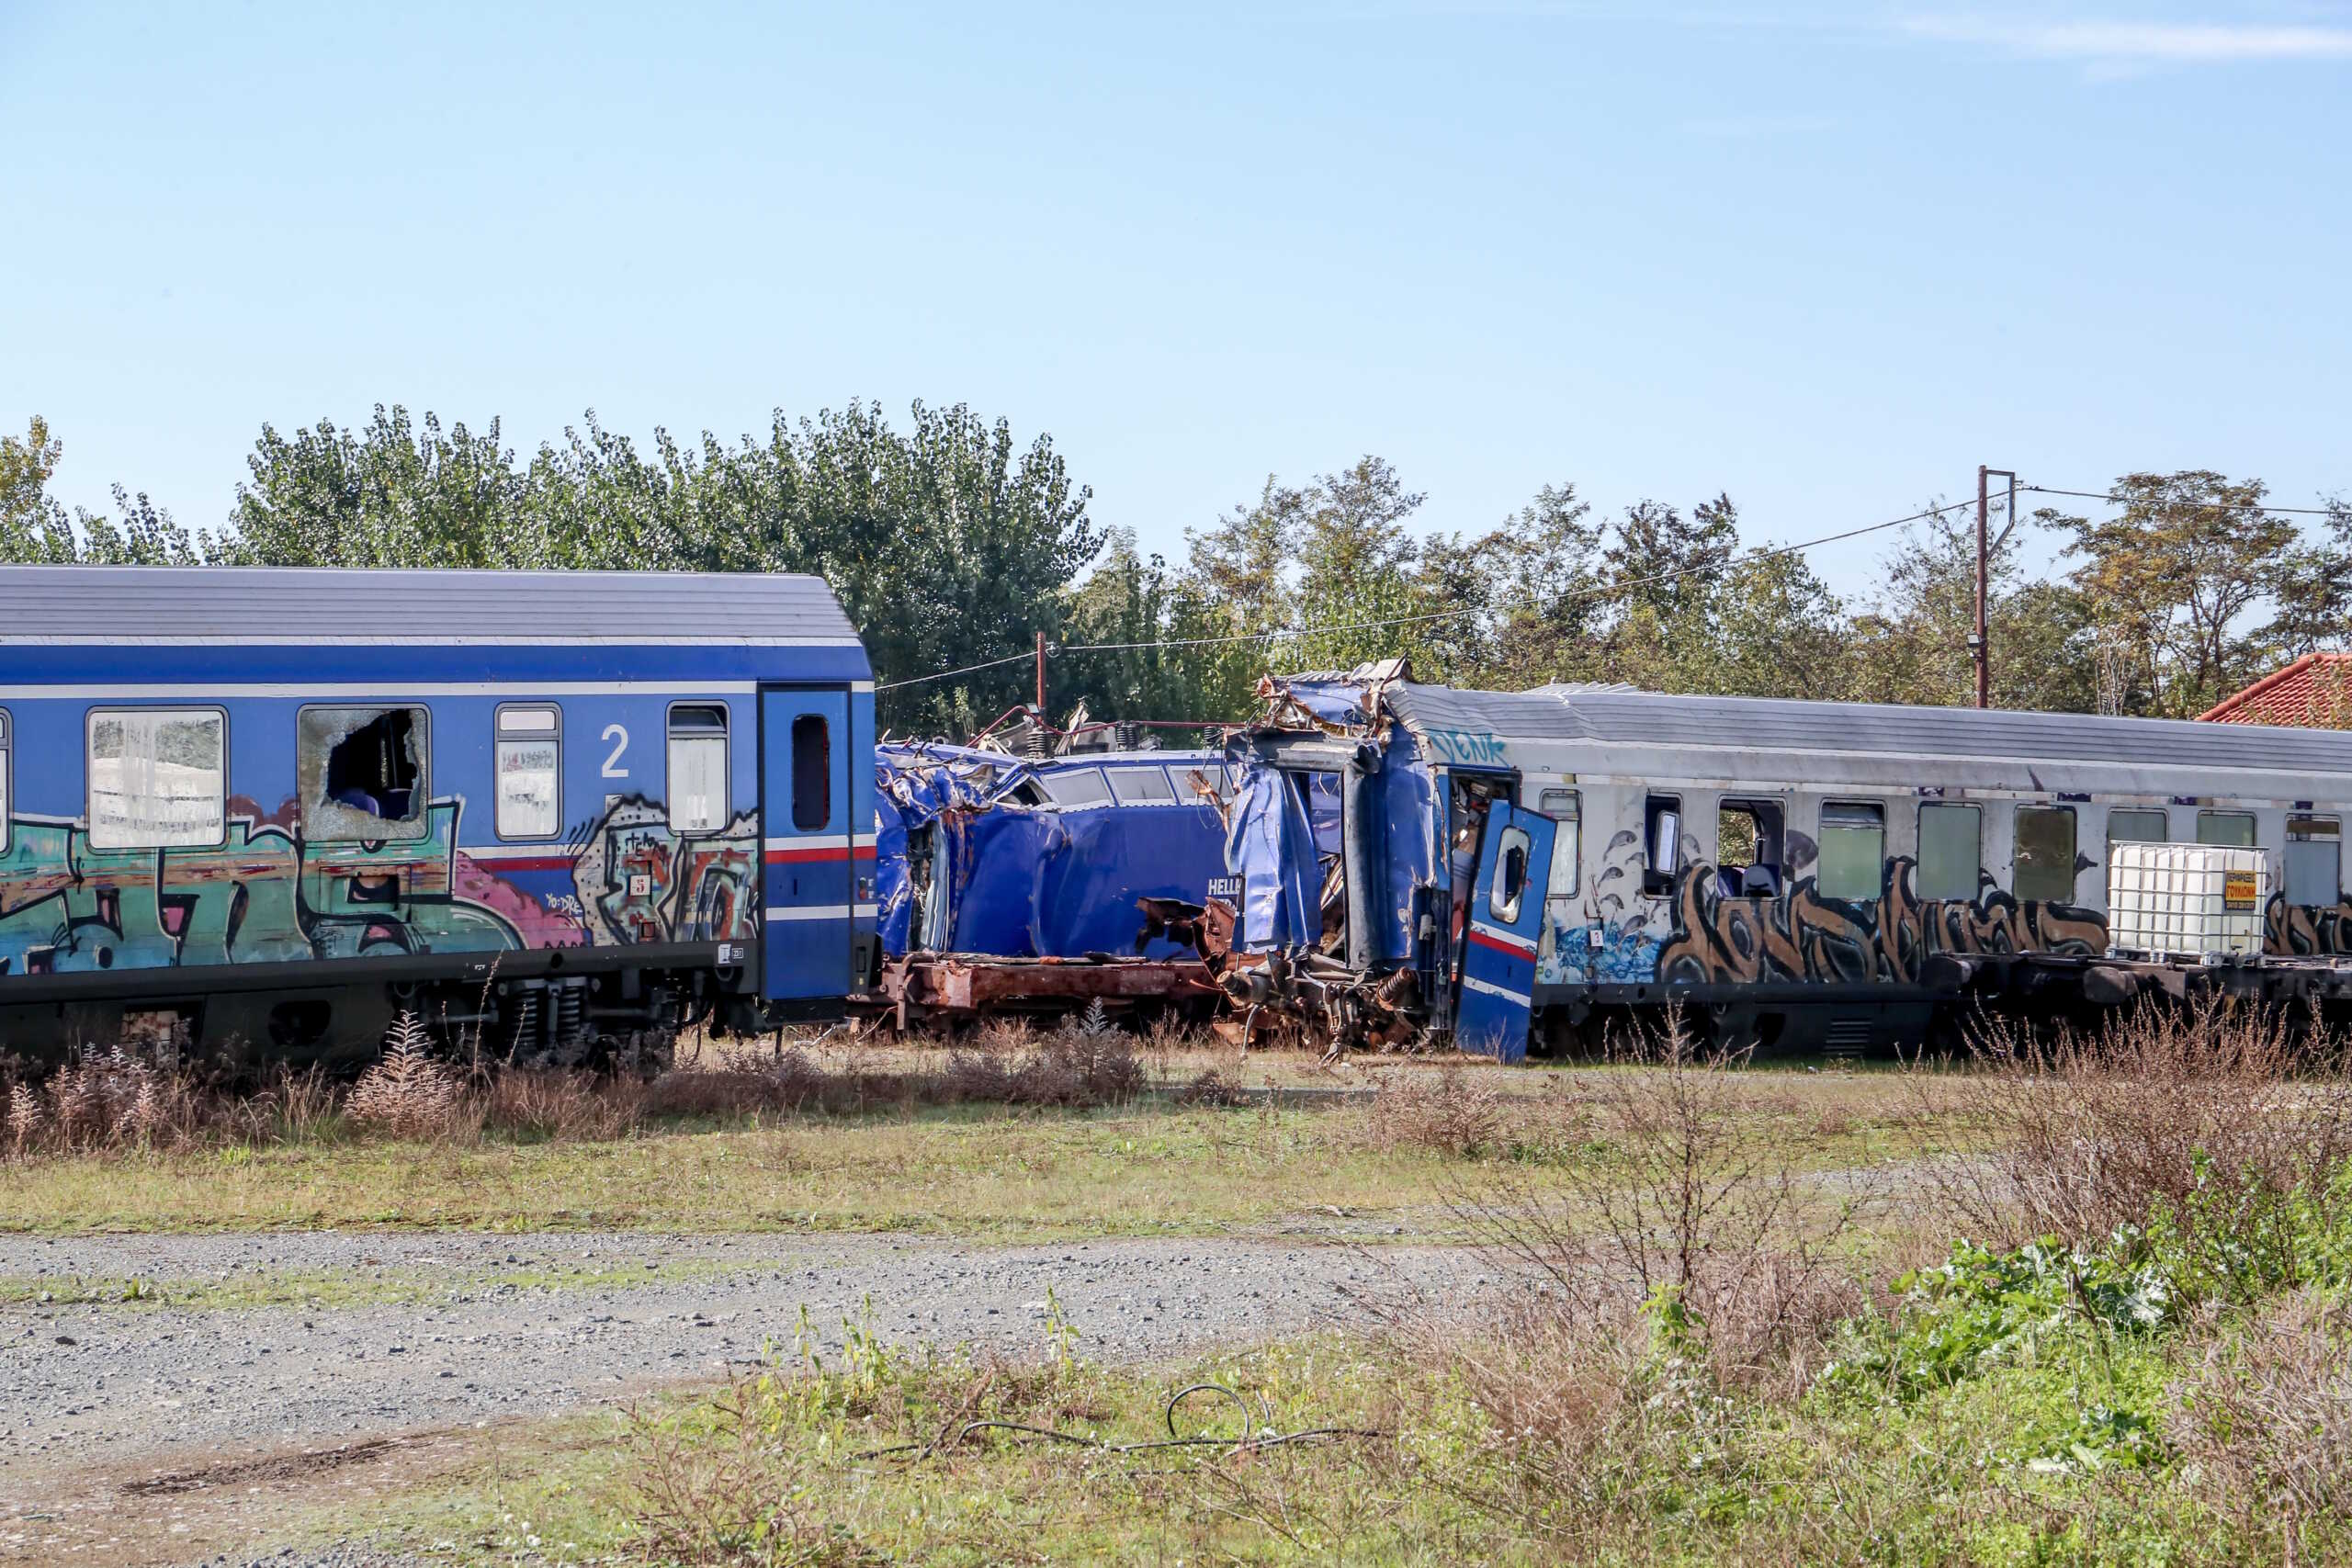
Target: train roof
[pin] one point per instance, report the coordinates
(297, 606)
(1624, 717)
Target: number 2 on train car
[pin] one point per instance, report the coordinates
(1499, 941)
(808, 867)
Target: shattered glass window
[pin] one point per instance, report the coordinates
(530, 772)
(1141, 786)
(157, 779)
(697, 768)
(362, 773)
(1510, 883)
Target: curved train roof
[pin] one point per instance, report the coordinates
(295, 607)
(1620, 715)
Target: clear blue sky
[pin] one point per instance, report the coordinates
(1826, 258)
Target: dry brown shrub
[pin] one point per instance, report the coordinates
(1450, 1112)
(1211, 1087)
(409, 1094)
(2268, 1416)
(2074, 1132)
(564, 1104)
(1700, 1211)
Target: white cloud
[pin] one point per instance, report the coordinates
(2140, 43)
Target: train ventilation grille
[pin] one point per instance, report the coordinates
(1848, 1037)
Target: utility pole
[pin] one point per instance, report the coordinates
(1977, 646)
(1041, 677)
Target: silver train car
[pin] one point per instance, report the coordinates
(1790, 872)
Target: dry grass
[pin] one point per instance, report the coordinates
(2074, 1133)
(1450, 1112)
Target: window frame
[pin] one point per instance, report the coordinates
(2073, 845)
(1576, 850)
(1919, 862)
(726, 767)
(792, 741)
(1657, 883)
(1159, 772)
(2334, 836)
(1047, 782)
(2252, 828)
(8, 781)
(1820, 836)
(2157, 812)
(90, 717)
(498, 738)
(1513, 838)
(423, 792)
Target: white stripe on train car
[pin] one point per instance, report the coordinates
(1487, 988)
(823, 911)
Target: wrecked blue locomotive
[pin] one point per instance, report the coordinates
(281, 806)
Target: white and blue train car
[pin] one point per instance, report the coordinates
(549, 807)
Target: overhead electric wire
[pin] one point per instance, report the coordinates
(2120, 500)
(943, 674)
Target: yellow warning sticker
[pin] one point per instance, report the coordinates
(2237, 890)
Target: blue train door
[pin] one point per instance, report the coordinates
(808, 864)
(1499, 943)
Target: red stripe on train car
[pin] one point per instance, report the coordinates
(819, 852)
(1498, 944)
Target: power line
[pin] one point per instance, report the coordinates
(1279, 632)
(2120, 500)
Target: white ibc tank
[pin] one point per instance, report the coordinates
(2186, 900)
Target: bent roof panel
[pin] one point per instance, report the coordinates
(300, 606)
(1649, 718)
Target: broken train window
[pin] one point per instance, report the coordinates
(362, 773)
(530, 770)
(697, 767)
(1509, 884)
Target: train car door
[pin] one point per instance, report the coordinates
(1506, 918)
(808, 870)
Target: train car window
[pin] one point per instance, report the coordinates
(1565, 807)
(1080, 786)
(530, 771)
(1952, 841)
(2045, 867)
(1747, 847)
(1141, 786)
(812, 772)
(2127, 826)
(1509, 884)
(362, 773)
(158, 779)
(1661, 842)
(1187, 783)
(1853, 850)
(5, 781)
(697, 784)
(2314, 861)
(2233, 829)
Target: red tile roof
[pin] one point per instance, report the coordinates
(2316, 690)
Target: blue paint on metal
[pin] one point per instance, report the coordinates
(1505, 925)
(1270, 843)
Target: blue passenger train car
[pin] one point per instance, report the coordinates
(553, 807)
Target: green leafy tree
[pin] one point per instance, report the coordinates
(2172, 581)
(35, 529)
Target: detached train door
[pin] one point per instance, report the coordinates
(1505, 920)
(808, 879)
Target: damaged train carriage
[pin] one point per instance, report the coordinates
(1808, 874)
(1010, 883)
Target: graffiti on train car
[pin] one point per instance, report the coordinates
(268, 896)
(2306, 930)
(1808, 937)
(640, 880)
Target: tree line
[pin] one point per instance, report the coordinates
(951, 544)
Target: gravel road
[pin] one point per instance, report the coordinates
(478, 1335)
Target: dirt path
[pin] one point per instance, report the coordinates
(332, 1340)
